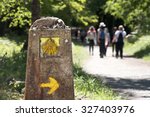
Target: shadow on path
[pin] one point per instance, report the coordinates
(143, 84)
(128, 56)
(129, 88)
(130, 77)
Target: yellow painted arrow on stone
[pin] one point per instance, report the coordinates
(53, 85)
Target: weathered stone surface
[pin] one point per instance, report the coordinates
(45, 62)
(48, 23)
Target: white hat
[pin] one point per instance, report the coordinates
(102, 24)
(121, 27)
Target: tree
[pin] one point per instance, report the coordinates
(21, 13)
(16, 13)
(73, 12)
(35, 10)
(134, 13)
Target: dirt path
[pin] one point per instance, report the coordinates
(130, 77)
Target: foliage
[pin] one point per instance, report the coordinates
(131, 38)
(134, 13)
(15, 12)
(12, 66)
(140, 48)
(6, 94)
(11, 44)
(73, 12)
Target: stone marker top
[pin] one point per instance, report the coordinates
(48, 23)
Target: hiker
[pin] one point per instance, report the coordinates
(119, 39)
(101, 39)
(91, 35)
(83, 35)
(107, 39)
(113, 43)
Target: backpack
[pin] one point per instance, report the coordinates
(102, 35)
(120, 38)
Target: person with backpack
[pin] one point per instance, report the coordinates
(119, 39)
(101, 39)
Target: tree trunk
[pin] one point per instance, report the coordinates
(35, 9)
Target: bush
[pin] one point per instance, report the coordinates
(13, 67)
(131, 38)
(140, 48)
(5, 94)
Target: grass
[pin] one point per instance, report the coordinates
(88, 86)
(12, 60)
(91, 87)
(12, 66)
(8, 47)
(79, 54)
(140, 48)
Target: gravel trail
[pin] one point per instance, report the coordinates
(129, 76)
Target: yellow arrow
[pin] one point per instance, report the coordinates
(53, 85)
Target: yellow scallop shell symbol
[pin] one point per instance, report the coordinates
(49, 46)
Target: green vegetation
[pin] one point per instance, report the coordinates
(19, 13)
(79, 54)
(11, 44)
(88, 86)
(134, 14)
(15, 12)
(12, 68)
(139, 48)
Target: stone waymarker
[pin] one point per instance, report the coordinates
(49, 62)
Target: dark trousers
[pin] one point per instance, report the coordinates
(91, 45)
(102, 48)
(119, 49)
(82, 38)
